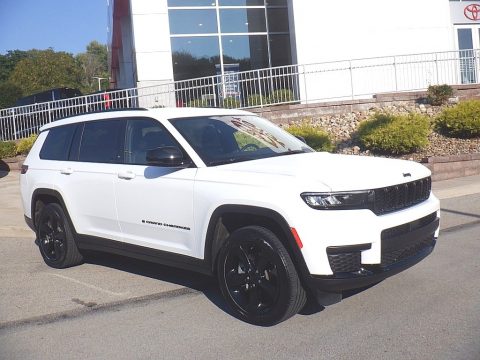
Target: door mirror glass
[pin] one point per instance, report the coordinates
(166, 156)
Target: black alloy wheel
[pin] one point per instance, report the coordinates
(258, 278)
(55, 238)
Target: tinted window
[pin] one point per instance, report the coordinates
(101, 141)
(227, 139)
(57, 143)
(242, 20)
(195, 56)
(192, 21)
(240, 2)
(175, 3)
(142, 135)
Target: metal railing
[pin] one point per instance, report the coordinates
(328, 81)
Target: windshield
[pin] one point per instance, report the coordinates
(227, 139)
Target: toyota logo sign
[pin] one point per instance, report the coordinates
(472, 12)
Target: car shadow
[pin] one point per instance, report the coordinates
(196, 281)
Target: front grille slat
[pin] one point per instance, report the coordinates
(392, 254)
(398, 197)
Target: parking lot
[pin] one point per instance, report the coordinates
(112, 307)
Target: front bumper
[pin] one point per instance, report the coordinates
(402, 247)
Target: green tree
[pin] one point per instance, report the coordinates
(45, 69)
(9, 93)
(9, 61)
(93, 63)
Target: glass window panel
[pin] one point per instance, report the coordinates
(142, 135)
(277, 19)
(467, 58)
(242, 20)
(250, 52)
(241, 3)
(57, 143)
(276, 2)
(193, 21)
(465, 40)
(280, 50)
(177, 3)
(195, 56)
(100, 141)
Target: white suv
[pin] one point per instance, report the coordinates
(225, 192)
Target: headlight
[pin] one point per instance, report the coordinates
(340, 200)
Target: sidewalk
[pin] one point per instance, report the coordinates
(31, 292)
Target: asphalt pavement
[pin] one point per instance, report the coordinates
(31, 292)
(428, 312)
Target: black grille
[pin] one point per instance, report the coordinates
(393, 256)
(395, 247)
(398, 197)
(345, 262)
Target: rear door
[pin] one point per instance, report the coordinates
(89, 178)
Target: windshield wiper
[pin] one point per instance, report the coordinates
(291, 152)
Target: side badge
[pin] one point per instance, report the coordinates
(407, 175)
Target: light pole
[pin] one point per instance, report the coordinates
(99, 81)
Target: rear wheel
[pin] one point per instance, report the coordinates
(55, 238)
(257, 277)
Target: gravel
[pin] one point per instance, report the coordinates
(342, 128)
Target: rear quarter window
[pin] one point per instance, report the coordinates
(57, 143)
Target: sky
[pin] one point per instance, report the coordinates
(64, 25)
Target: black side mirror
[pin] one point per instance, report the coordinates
(301, 138)
(167, 156)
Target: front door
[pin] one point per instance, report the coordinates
(155, 204)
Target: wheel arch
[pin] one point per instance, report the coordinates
(228, 218)
(44, 196)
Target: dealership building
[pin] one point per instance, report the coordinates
(153, 42)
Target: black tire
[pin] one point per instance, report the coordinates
(55, 238)
(257, 277)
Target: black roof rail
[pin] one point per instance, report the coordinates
(102, 111)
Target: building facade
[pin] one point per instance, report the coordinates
(154, 42)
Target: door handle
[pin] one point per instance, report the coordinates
(66, 171)
(126, 175)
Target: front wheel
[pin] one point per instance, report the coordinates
(257, 277)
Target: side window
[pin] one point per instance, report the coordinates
(101, 141)
(142, 135)
(57, 143)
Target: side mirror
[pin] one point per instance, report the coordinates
(301, 138)
(166, 156)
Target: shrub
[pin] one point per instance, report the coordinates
(281, 96)
(461, 120)
(24, 145)
(199, 103)
(256, 100)
(7, 149)
(394, 134)
(231, 103)
(315, 137)
(439, 94)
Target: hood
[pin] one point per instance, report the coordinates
(315, 171)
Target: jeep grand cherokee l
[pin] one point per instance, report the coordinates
(225, 192)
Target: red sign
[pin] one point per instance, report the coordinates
(472, 12)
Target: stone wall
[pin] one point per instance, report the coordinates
(340, 118)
